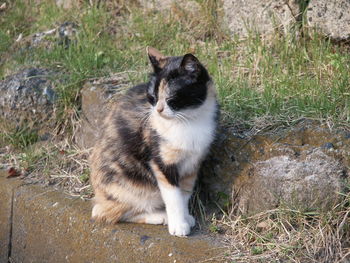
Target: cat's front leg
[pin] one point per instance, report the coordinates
(176, 207)
(186, 184)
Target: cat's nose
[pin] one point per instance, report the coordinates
(160, 108)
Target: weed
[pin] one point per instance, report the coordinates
(20, 138)
(290, 235)
(60, 165)
(213, 228)
(282, 79)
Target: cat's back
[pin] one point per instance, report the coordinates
(122, 146)
(128, 112)
(123, 124)
(133, 101)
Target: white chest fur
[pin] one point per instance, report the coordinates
(190, 138)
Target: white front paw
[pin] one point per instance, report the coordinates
(190, 220)
(179, 228)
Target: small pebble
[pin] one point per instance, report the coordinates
(339, 144)
(347, 135)
(328, 145)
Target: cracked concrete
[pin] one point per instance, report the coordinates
(48, 226)
(6, 211)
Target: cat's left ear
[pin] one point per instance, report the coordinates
(157, 59)
(190, 63)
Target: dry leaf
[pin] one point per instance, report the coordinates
(3, 7)
(12, 172)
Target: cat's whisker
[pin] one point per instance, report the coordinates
(181, 118)
(185, 116)
(145, 118)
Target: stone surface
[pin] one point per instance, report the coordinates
(6, 191)
(161, 5)
(96, 97)
(265, 17)
(308, 182)
(236, 169)
(49, 226)
(27, 98)
(332, 18)
(67, 4)
(65, 34)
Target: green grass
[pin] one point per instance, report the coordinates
(286, 235)
(260, 82)
(20, 137)
(283, 79)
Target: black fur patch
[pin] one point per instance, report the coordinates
(109, 174)
(132, 141)
(186, 80)
(111, 198)
(170, 171)
(132, 153)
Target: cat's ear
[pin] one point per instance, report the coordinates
(158, 60)
(190, 63)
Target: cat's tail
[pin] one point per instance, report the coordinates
(107, 210)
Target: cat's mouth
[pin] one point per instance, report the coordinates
(165, 116)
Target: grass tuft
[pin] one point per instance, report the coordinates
(20, 138)
(285, 235)
(59, 165)
(283, 78)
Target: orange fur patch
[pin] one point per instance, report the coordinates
(187, 182)
(161, 95)
(170, 155)
(107, 211)
(160, 176)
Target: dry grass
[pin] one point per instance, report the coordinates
(285, 235)
(261, 84)
(60, 165)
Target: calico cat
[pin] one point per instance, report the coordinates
(144, 166)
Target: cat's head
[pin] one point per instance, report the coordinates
(179, 85)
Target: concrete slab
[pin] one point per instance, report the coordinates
(7, 187)
(49, 226)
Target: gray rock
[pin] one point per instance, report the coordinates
(28, 98)
(332, 18)
(328, 145)
(309, 182)
(162, 5)
(96, 102)
(39, 39)
(236, 171)
(67, 4)
(64, 34)
(67, 33)
(262, 16)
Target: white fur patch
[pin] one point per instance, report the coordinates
(146, 200)
(192, 137)
(156, 219)
(176, 210)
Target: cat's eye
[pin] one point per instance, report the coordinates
(172, 104)
(151, 99)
